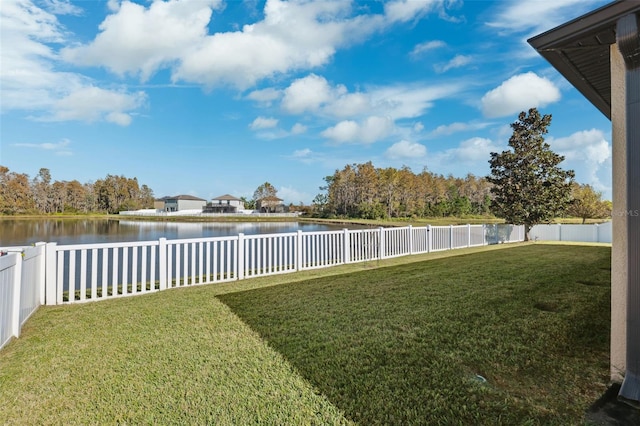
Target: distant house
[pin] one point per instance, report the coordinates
(158, 203)
(183, 202)
(224, 204)
(270, 204)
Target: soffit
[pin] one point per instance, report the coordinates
(579, 50)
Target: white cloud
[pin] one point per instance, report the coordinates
(349, 105)
(406, 150)
(292, 36)
(302, 153)
(409, 100)
(292, 195)
(61, 7)
(536, 16)
(472, 150)
(265, 96)
(345, 131)
(119, 118)
(427, 46)
(59, 148)
(449, 129)
(587, 152)
(519, 93)
(93, 104)
(456, 62)
(298, 128)
(370, 130)
(418, 127)
(470, 156)
(263, 123)
(315, 94)
(307, 94)
(30, 80)
(306, 156)
(406, 10)
(113, 5)
(140, 39)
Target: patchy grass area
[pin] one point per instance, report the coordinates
(414, 344)
(176, 357)
(398, 341)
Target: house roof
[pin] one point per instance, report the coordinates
(185, 197)
(227, 197)
(579, 50)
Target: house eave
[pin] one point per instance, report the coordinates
(579, 50)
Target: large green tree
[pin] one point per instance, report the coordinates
(529, 187)
(587, 203)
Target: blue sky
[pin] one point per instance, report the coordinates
(208, 97)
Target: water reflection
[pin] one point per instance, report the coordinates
(22, 232)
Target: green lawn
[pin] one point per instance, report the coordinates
(391, 342)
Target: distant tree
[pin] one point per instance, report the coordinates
(529, 186)
(42, 191)
(75, 197)
(587, 203)
(319, 204)
(145, 197)
(265, 190)
(16, 196)
(248, 204)
(389, 185)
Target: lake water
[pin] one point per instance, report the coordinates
(22, 232)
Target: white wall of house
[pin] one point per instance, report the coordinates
(174, 205)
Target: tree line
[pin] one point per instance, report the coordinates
(19, 194)
(526, 186)
(364, 191)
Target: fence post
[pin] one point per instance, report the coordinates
(410, 239)
(42, 262)
(468, 235)
(50, 274)
(596, 231)
(240, 257)
(484, 235)
(381, 246)
(347, 247)
(450, 237)
(162, 263)
(17, 287)
(429, 239)
(559, 232)
(299, 250)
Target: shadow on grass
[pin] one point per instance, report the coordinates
(463, 340)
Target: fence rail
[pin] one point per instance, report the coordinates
(59, 274)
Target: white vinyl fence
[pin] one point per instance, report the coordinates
(21, 289)
(56, 274)
(588, 233)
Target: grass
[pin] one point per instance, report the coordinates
(414, 344)
(401, 341)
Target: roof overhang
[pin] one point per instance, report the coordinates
(579, 50)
